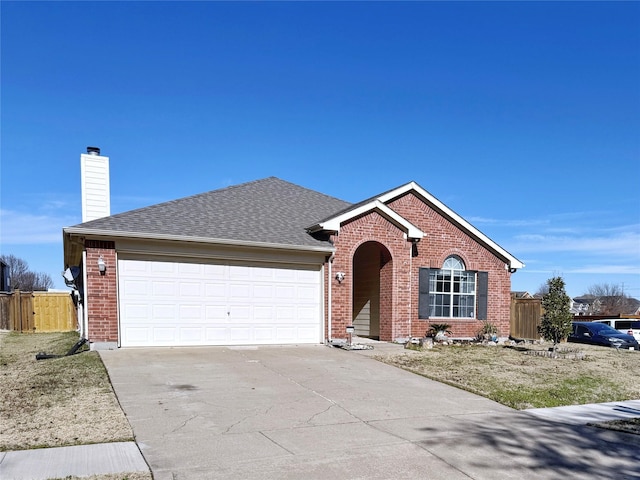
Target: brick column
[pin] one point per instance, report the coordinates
(102, 300)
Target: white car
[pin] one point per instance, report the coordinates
(630, 326)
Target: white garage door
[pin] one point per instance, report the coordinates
(171, 303)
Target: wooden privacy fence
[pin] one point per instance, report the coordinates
(525, 318)
(37, 312)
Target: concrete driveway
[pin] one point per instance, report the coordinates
(315, 412)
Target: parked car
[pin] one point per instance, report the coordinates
(625, 325)
(596, 333)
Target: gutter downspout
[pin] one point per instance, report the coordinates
(329, 283)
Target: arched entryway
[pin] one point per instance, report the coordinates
(372, 292)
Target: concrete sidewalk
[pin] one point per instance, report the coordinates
(80, 461)
(587, 414)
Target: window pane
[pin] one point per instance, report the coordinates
(465, 306)
(453, 263)
(440, 305)
(468, 282)
(443, 283)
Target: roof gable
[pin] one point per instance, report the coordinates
(333, 223)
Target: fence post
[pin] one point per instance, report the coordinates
(16, 312)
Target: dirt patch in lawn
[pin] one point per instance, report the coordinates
(55, 402)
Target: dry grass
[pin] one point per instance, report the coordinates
(523, 377)
(55, 402)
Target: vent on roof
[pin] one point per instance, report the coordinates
(93, 150)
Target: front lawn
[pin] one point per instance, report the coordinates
(523, 377)
(55, 402)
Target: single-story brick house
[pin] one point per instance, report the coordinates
(271, 262)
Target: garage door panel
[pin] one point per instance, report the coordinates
(239, 272)
(186, 270)
(262, 291)
(286, 292)
(216, 313)
(264, 314)
(161, 312)
(286, 334)
(191, 335)
(307, 334)
(136, 287)
(306, 315)
(190, 289)
(137, 311)
(160, 289)
(239, 291)
(164, 335)
(168, 303)
(133, 267)
(264, 334)
(215, 291)
(140, 335)
(307, 293)
(164, 268)
(284, 314)
(190, 313)
(240, 334)
(218, 272)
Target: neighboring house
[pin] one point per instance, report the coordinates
(522, 294)
(605, 305)
(584, 305)
(270, 262)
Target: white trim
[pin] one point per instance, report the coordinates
(333, 224)
(182, 238)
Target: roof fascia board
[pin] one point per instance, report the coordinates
(215, 241)
(447, 212)
(333, 224)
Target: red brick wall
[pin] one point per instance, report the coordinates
(102, 300)
(394, 299)
(442, 239)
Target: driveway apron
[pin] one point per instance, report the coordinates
(315, 412)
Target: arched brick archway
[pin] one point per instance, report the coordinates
(372, 294)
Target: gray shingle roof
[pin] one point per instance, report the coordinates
(270, 210)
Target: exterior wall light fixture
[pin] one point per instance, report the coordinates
(102, 267)
(340, 277)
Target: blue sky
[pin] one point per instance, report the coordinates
(522, 117)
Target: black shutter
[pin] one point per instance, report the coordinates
(423, 293)
(482, 294)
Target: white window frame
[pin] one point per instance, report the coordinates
(452, 290)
